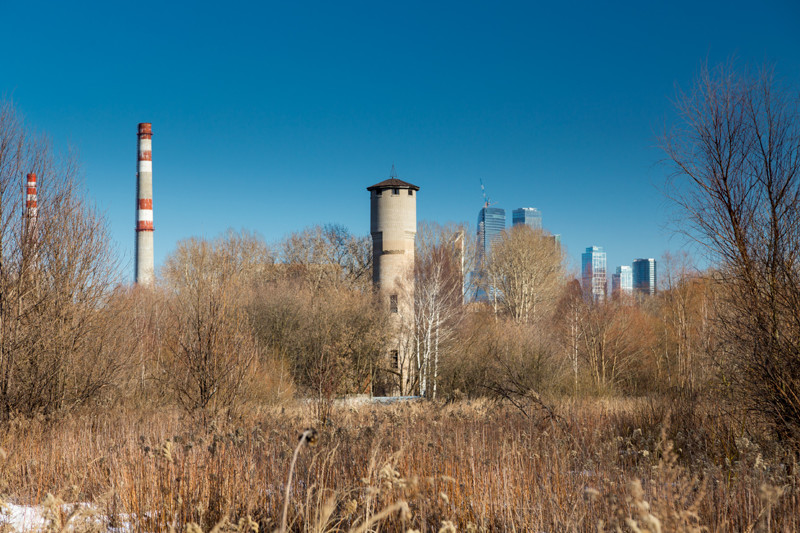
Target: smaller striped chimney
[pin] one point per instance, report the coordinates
(31, 208)
(29, 216)
(144, 206)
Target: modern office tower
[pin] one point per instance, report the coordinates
(491, 224)
(527, 215)
(593, 273)
(644, 276)
(622, 281)
(393, 226)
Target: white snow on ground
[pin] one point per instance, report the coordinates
(24, 518)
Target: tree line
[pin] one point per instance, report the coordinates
(235, 321)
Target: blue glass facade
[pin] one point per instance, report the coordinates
(622, 280)
(644, 276)
(593, 273)
(527, 215)
(491, 223)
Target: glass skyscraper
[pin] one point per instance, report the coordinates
(644, 276)
(491, 223)
(527, 215)
(593, 273)
(622, 280)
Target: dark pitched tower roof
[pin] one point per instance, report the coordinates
(392, 183)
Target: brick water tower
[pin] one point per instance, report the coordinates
(393, 226)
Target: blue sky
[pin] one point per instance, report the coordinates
(274, 116)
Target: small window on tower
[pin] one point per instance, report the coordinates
(395, 191)
(378, 192)
(395, 355)
(393, 303)
(411, 192)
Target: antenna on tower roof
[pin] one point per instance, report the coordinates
(393, 173)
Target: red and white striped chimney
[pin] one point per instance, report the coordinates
(144, 206)
(31, 208)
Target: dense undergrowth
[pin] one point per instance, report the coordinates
(477, 466)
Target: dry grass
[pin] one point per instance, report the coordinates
(427, 467)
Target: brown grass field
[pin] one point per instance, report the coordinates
(600, 465)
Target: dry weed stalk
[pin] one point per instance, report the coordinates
(309, 436)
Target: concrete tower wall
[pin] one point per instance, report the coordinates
(144, 207)
(393, 225)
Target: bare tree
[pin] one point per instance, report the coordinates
(332, 339)
(567, 325)
(441, 260)
(683, 306)
(526, 273)
(56, 271)
(211, 338)
(736, 156)
(327, 256)
(612, 337)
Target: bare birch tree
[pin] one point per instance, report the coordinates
(526, 272)
(567, 323)
(443, 256)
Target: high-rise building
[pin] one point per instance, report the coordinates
(593, 273)
(491, 224)
(644, 276)
(527, 215)
(622, 281)
(393, 226)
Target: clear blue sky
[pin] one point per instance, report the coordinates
(274, 116)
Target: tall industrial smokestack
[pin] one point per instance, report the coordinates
(29, 217)
(31, 207)
(144, 206)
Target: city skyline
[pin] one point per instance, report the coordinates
(543, 104)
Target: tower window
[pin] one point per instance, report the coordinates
(411, 192)
(395, 355)
(378, 192)
(393, 303)
(395, 191)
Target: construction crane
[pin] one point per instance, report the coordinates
(486, 200)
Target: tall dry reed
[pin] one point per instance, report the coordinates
(473, 466)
